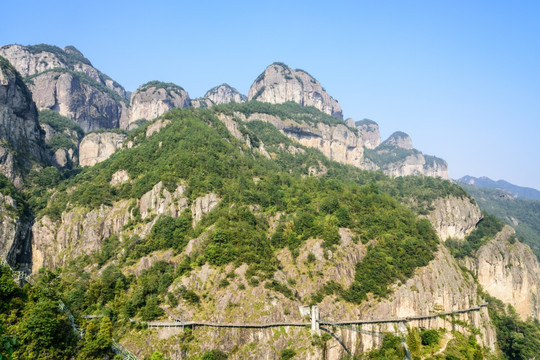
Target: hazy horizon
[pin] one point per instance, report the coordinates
(461, 79)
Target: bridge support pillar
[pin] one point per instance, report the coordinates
(315, 318)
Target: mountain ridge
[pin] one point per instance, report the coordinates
(512, 189)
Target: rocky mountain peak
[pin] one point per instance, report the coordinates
(224, 94)
(155, 98)
(369, 130)
(399, 139)
(279, 84)
(65, 81)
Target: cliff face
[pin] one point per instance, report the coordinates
(439, 287)
(21, 138)
(98, 147)
(65, 81)
(509, 271)
(337, 142)
(155, 98)
(224, 94)
(279, 84)
(454, 217)
(77, 99)
(397, 157)
(32, 60)
(340, 143)
(369, 130)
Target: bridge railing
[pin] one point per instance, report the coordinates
(122, 351)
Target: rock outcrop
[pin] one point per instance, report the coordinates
(21, 139)
(397, 157)
(341, 143)
(337, 142)
(82, 231)
(78, 99)
(224, 94)
(155, 98)
(65, 81)
(400, 140)
(369, 131)
(509, 271)
(279, 84)
(35, 59)
(62, 137)
(98, 147)
(202, 102)
(439, 287)
(10, 229)
(454, 217)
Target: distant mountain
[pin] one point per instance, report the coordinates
(515, 190)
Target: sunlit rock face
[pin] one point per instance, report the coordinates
(279, 84)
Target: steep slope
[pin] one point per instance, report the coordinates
(224, 94)
(230, 221)
(397, 157)
(155, 98)
(369, 130)
(279, 84)
(515, 190)
(521, 214)
(509, 271)
(62, 137)
(65, 81)
(21, 139)
(96, 147)
(338, 141)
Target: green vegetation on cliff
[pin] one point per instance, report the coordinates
(521, 214)
(289, 110)
(271, 204)
(196, 150)
(486, 229)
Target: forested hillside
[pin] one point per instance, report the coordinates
(523, 215)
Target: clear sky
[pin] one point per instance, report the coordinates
(461, 77)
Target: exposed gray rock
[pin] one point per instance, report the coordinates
(369, 131)
(202, 206)
(279, 84)
(35, 59)
(155, 98)
(454, 217)
(203, 103)
(98, 147)
(156, 126)
(21, 139)
(9, 228)
(65, 81)
(399, 139)
(119, 177)
(224, 94)
(508, 270)
(77, 99)
(160, 201)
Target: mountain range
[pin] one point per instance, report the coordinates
(206, 228)
(514, 190)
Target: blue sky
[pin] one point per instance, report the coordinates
(461, 77)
